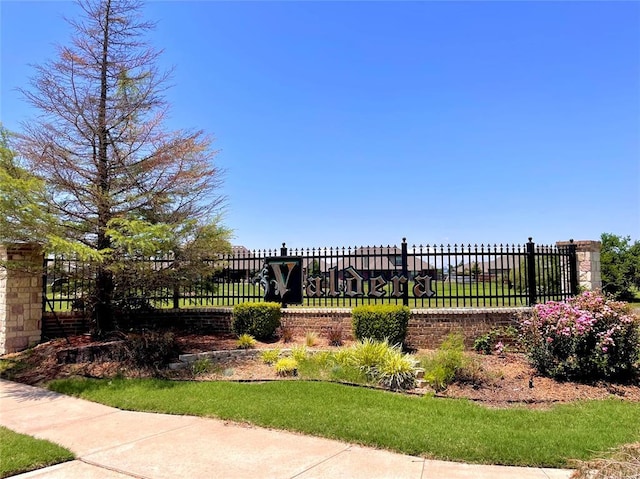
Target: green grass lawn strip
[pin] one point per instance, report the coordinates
(21, 453)
(437, 428)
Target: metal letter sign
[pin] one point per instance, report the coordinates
(281, 279)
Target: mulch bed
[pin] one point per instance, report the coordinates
(502, 381)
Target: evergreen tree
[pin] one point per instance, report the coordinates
(117, 183)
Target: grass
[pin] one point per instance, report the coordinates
(447, 295)
(436, 428)
(21, 453)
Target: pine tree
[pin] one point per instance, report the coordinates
(117, 182)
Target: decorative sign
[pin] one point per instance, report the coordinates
(351, 282)
(281, 279)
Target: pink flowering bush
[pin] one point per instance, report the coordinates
(587, 337)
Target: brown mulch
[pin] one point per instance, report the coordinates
(510, 380)
(498, 381)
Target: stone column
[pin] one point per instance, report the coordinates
(588, 258)
(20, 296)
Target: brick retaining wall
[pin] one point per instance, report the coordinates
(427, 327)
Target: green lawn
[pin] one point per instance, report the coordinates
(21, 453)
(437, 428)
(447, 295)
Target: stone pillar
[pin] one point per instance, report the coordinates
(20, 296)
(588, 258)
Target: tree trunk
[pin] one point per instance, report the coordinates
(103, 312)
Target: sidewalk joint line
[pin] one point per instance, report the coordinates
(114, 469)
(348, 447)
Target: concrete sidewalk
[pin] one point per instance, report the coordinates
(114, 444)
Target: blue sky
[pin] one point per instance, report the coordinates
(359, 123)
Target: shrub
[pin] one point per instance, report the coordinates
(381, 322)
(316, 366)
(345, 373)
(366, 362)
(397, 371)
(286, 333)
(150, 350)
(368, 354)
(202, 366)
(484, 344)
(286, 367)
(442, 366)
(311, 339)
(299, 353)
(620, 263)
(380, 363)
(493, 340)
(257, 319)
(588, 337)
(270, 356)
(334, 335)
(246, 341)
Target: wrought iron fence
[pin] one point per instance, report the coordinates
(420, 276)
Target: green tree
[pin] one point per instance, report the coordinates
(547, 272)
(100, 162)
(21, 197)
(620, 265)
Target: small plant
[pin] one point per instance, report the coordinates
(397, 371)
(496, 340)
(484, 344)
(311, 339)
(257, 319)
(285, 333)
(368, 354)
(150, 350)
(270, 356)
(201, 366)
(377, 362)
(381, 322)
(346, 373)
(299, 353)
(334, 335)
(441, 368)
(286, 367)
(246, 341)
(316, 366)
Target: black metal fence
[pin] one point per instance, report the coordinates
(417, 276)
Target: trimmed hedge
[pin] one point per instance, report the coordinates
(260, 320)
(380, 322)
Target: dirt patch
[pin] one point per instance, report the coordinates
(497, 381)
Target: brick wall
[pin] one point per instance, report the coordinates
(60, 324)
(427, 328)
